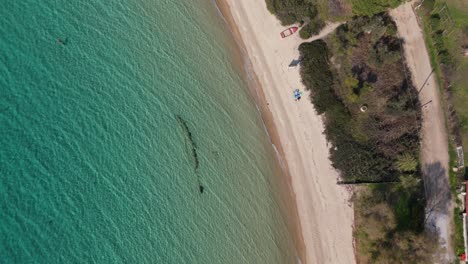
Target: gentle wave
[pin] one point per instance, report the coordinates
(93, 164)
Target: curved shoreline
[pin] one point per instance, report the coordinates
(267, 117)
(322, 217)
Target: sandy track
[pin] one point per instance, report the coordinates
(325, 216)
(434, 152)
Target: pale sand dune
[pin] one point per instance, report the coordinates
(325, 216)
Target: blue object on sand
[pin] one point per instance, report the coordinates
(297, 94)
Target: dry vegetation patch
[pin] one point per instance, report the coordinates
(377, 231)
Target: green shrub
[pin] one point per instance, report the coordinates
(304, 33)
(311, 29)
(409, 182)
(347, 35)
(316, 74)
(439, 44)
(385, 51)
(292, 11)
(359, 162)
(445, 57)
(271, 6)
(350, 82)
(407, 163)
(392, 30)
(372, 7)
(434, 21)
(366, 89)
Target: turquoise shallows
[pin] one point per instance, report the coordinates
(95, 168)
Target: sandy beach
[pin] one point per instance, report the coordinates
(325, 215)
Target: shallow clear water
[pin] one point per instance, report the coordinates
(95, 167)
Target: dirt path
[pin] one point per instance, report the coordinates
(434, 152)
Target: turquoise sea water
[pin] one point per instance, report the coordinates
(95, 167)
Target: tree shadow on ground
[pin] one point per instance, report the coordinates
(436, 189)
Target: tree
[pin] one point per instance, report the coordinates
(406, 163)
(312, 28)
(292, 11)
(372, 7)
(316, 74)
(408, 182)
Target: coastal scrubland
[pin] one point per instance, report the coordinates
(371, 7)
(312, 14)
(445, 24)
(358, 81)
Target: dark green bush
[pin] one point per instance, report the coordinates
(360, 162)
(445, 57)
(316, 74)
(438, 39)
(311, 29)
(385, 50)
(372, 7)
(292, 11)
(392, 30)
(434, 22)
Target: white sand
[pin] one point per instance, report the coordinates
(325, 216)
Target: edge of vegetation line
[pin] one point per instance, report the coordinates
(428, 17)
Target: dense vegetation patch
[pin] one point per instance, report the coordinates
(292, 11)
(372, 7)
(381, 234)
(367, 145)
(297, 11)
(312, 28)
(372, 114)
